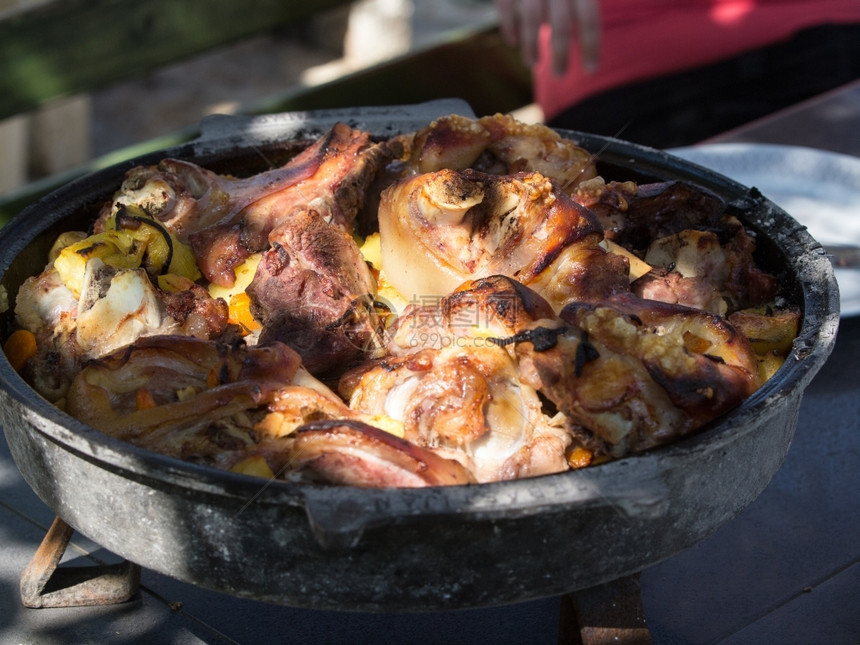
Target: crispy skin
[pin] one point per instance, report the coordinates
(104, 393)
(631, 374)
(497, 144)
(202, 395)
(492, 307)
(444, 228)
(455, 386)
(357, 454)
(226, 219)
(635, 216)
(466, 403)
(203, 401)
(701, 256)
(712, 270)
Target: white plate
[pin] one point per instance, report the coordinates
(820, 189)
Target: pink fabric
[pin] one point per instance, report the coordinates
(647, 38)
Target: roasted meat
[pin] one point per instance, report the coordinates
(443, 228)
(503, 313)
(635, 215)
(314, 292)
(492, 307)
(354, 453)
(204, 401)
(630, 374)
(226, 219)
(184, 397)
(701, 256)
(455, 389)
(103, 308)
(497, 144)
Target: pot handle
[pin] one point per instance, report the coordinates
(375, 119)
(339, 516)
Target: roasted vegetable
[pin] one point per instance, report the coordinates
(19, 348)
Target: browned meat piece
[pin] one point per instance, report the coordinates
(673, 288)
(314, 292)
(203, 401)
(454, 385)
(634, 218)
(631, 374)
(440, 229)
(746, 284)
(497, 144)
(496, 306)
(466, 403)
(180, 396)
(196, 313)
(225, 219)
(356, 454)
(713, 271)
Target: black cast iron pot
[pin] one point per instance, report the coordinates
(409, 549)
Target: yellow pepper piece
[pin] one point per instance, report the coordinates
(111, 247)
(63, 240)
(255, 466)
(159, 249)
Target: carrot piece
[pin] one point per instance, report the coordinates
(212, 379)
(20, 347)
(580, 457)
(143, 399)
(240, 312)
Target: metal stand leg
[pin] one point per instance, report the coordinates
(609, 613)
(43, 584)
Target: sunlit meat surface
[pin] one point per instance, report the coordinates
(455, 386)
(226, 219)
(497, 144)
(441, 229)
(631, 374)
(354, 453)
